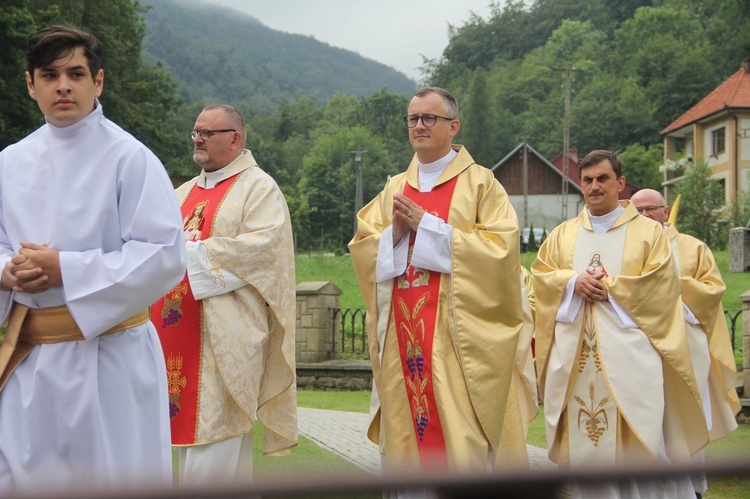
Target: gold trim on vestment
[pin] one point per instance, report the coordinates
(28, 327)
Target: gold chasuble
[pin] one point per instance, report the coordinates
(477, 321)
(612, 391)
(710, 346)
(230, 356)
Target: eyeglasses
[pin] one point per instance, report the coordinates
(206, 134)
(428, 120)
(649, 209)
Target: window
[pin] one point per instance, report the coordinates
(679, 144)
(717, 141)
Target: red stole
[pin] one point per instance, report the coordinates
(415, 304)
(178, 319)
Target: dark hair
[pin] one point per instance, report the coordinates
(451, 106)
(53, 42)
(596, 157)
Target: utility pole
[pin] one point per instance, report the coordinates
(566, 140)
(525, 183)
(358, 193)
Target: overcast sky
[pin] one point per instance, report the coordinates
(393, 32)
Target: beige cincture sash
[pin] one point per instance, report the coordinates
(28, 327)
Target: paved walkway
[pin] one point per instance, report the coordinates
(343, 433)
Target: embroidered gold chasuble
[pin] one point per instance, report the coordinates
(702, 287)
(248, 362)
(591, 370)
(477, 326)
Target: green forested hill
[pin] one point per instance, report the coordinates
(217, 53)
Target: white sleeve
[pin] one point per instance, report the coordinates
(432, 246)
(624, 319)
(571, 302)
(391, 259)
(208, 278)
(690, 317)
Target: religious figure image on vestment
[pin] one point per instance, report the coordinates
(193, 224)
(596, 266)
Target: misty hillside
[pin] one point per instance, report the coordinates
(216, 53)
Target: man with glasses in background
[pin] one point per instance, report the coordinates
(227, 330)
(711, 352)
(436, 256)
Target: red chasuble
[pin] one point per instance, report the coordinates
(415, 304)
(178, 319)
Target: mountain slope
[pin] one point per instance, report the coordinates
(220, 54)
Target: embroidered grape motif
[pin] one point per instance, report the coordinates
(421, 425)
(411, 366)
(420, 366)
(172, 318)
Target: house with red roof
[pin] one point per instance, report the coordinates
(717, 129)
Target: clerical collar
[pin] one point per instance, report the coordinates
(214, 177)
(429, 173)
(67, 131)
(604, 222)
(440, 164)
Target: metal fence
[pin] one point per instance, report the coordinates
(732, 316)
(352, 326)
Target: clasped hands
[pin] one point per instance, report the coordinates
(35, 268)
(406, 215)
(590, 287)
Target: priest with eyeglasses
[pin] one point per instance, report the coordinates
(436, 255)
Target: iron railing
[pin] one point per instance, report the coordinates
(352, 331)
(732, 316)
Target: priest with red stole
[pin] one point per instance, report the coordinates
(436, 256)
(227, 330)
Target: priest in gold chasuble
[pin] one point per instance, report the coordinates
(711, 352)
(612, 357)
(436, 256)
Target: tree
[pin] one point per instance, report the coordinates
(641, 165)
(118, 25)
(323, 211)
(669, 54)
(475, 120)
(20, 114)
(702, 198)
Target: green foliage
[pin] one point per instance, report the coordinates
(740, 208)
(20, 114)
(533, 245)
(669, 54)
(127, 79)
(638, 66)
(702, 197)
(641, 165)
(475, 126)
